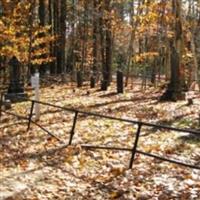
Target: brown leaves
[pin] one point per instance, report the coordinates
(117, 171)
(76, 173)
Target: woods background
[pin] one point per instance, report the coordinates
(96, 38)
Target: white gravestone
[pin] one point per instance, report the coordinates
(35, 84)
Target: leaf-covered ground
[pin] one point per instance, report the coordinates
(33, 165)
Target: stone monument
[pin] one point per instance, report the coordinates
(15, 91)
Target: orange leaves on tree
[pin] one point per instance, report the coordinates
(16, 34)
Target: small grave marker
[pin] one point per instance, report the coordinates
(36, 85)
(16, 88)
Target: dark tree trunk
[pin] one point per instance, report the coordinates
(63, 15)
(59, 52)
(55, 20)
(95, 45)
(50, 22)
(176, 86)
(30, 20)
(173, 90)
(108, 43)
(104, 81)
(41, 11)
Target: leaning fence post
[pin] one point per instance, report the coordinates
(135, 145)
(73, 128)
(30, 115)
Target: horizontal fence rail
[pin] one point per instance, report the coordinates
(134, 150)
(32, 121)
(121, 119)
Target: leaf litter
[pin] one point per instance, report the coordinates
(36, 166)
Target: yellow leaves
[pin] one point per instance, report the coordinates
(41, 30)
(10, 31)
(16, 40)
(189, 55)
(42, 40)
(116, 194)
(187, 58)
(8, 51)
(71, 152)
(117, 171)
(1, 24)
(40, 61)
(23, 164)
(145, 56)
(41, 51)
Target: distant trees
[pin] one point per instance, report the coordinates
(156, 39)
(22, 36)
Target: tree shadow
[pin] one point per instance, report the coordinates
(168, 122)
(109, 95)
(14, 124)
(190, 138)
(34, 155)
(135, 99)
(21, 173)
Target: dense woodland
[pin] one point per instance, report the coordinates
(114, 112)
(96, 38)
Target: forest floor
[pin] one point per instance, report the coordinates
(35, 166)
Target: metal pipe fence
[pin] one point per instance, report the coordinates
(134, 150)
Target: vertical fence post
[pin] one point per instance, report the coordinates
(73, 128)
(1, 104)
(30, 115)
(135, 145)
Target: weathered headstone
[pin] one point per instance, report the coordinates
(16, 88)
(92, 81)
(104, 85)
(79, 79)
(120, 85)
(36, 85)
(121, 62)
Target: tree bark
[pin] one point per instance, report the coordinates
(63, 10)
(108, 47)
(95, 43)
(175, 88)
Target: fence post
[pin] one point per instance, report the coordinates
(73, 128)
(1, 104)
(30, 115)
(135, 145)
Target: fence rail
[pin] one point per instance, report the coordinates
(134, 150)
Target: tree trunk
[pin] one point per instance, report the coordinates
(175, 88)
(131, 44)
(63, 15)
(50, 22)
(41, 12)
(95, 44)
(108, 47)
(30, 39)
(104, 82)
(55, 32)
